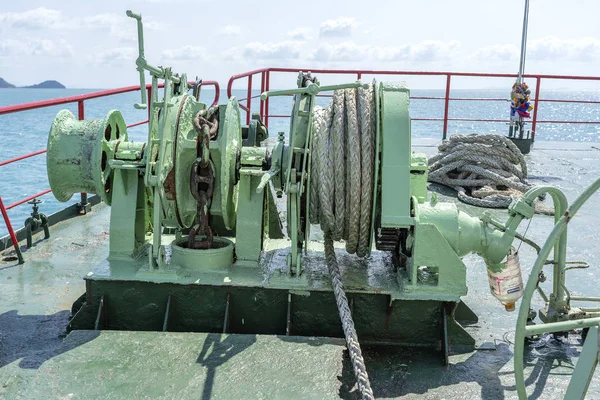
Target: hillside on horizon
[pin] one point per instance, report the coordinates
(51, 84)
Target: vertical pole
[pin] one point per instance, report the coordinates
(262, 89)
(11, 232)
(249, 100)
(267, 85)
(358, 75)
(538, 81)
(149, 90)
(446, 104)
(80, 110)
(523, 43)
(81, 116)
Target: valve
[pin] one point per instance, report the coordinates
(35, 222)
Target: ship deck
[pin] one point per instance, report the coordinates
(38, 359)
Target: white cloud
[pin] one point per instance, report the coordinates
(39, 18)
(429, 50)
(117, 56)
(185, 53)
(549, 48)
(272, 51)
(230, 30)
(37, 47)
(497, 52)
(553, 48)
(300, 34)
(339, 27)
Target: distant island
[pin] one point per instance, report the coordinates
(43, 85)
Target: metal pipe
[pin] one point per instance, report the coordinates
(561, 326)
(579, 298)
(25, 200)
(446, 105)
(560, 251)
(538, 82)
(87, 96)
(267, 87)
(11, 232)
(262, 89)
(12, 160)
(559, 228)
(523, 43)
(400, 72)
(249, 100)
(137, 123)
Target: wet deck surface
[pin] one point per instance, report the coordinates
(35, 302)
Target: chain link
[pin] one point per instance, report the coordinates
(202, 178)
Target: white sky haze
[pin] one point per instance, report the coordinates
(92, 44)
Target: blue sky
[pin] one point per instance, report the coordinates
(91, 44)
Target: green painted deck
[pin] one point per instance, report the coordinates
(37, 360)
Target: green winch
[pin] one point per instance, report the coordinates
(197, 241)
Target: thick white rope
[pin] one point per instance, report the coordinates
(342, 173)
(485, 170)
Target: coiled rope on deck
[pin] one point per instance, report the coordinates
(342, 173)
(485, 170)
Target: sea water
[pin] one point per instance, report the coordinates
(25, 132)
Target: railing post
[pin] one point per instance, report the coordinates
(80, 110)
(267, 86)
(249, 100)
(446, 104)
(538, 81)
(83, 204)
(358, 75)
(11, 232)
(262, 89)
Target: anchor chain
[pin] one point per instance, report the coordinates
(202, 178)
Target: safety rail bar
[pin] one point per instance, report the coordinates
(79, 99)
(265, 83)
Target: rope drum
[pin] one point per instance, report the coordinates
(341, 190)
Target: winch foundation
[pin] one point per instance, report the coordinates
(123, 295)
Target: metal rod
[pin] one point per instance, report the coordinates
(538, 82)
(80, 110)
(226, 317)
(288, 323)
(167, 311)
(25, 200)
(11, 232)
(93, 95)
(100, 307)
(137, 123)
(12, 160)
(267, 87)
(262, 89)
(523, 43)
(249, 100)
(531, 330)
(579, 298)
(81, 117)
(446, 105)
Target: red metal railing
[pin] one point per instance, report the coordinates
(265, 80)
(79, 99)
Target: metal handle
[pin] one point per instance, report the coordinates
(266, 178)
(141, 61)
(312, 89)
